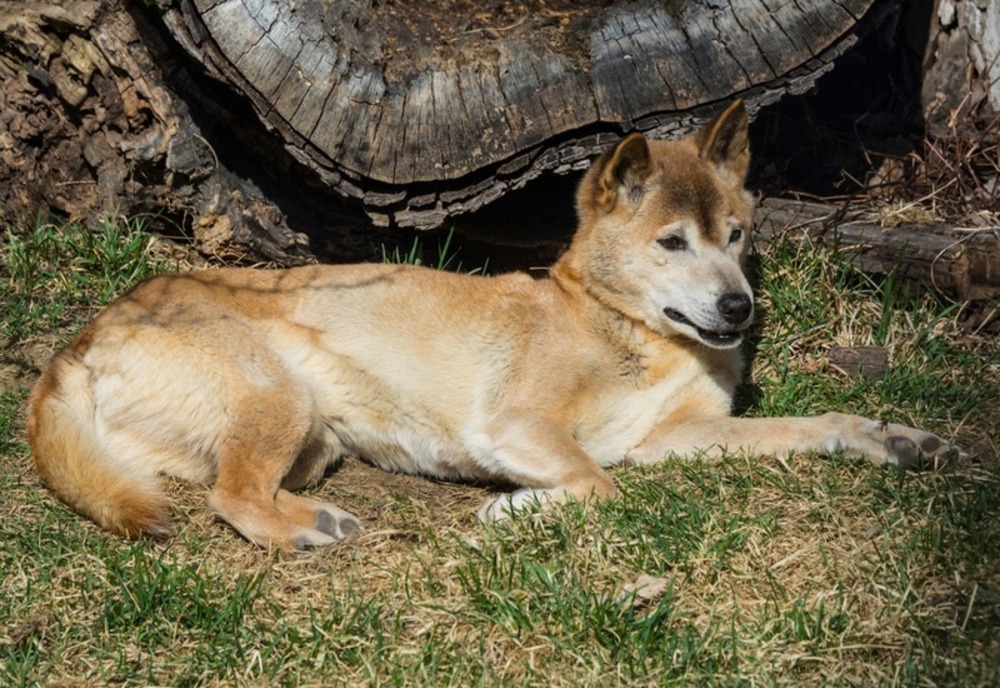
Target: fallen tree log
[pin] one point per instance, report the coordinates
(103, 112)
(963, 263)
(421, 112)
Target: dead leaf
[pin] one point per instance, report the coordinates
(642, 591)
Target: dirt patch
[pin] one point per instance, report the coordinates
(418, 503)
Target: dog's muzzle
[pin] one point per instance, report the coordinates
(736, 308)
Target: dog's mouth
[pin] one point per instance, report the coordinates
(720, 339)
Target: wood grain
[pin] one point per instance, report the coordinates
(963, 263)
(419, 131)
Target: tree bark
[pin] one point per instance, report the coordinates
(99, 115)
(962, 64)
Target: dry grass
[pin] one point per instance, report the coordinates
(786, 571)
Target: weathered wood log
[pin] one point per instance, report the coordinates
(963, 263)
(421, 112)
(99, 114)
(962, 64)
(88, 126)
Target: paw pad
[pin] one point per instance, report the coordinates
(931, 444)
(344, 527)
(904, 451)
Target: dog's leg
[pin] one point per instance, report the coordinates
(528, 450)
(247, 492)
(831, 433)
(270, 431)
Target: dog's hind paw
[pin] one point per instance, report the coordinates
(332, 525)
(321, 523)
(337, 523)
(311, 539)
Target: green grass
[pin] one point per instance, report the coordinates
(444, 258)
(54, 274)
(794, 571)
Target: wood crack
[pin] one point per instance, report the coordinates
(715, 16)
(774, 12)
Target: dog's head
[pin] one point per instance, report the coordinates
(664, 231)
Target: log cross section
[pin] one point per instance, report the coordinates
(420, 120)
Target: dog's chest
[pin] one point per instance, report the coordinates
(619, 417)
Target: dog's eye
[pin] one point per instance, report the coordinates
(735, 236)
(673, 243)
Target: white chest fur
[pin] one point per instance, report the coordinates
(620, 418)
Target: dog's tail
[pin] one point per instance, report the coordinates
(72, 462)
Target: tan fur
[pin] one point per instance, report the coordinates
(257, 381)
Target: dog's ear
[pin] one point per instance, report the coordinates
(623, 172)
(725, 142)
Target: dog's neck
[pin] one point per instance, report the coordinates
(599, 305)
(634, 343)
(568, 274)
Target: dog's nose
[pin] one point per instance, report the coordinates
(735, 307)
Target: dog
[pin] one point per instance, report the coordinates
(259, 381)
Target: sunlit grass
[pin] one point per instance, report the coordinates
(793, 571)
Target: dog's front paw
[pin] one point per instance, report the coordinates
(911, 448)
(505, 506)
